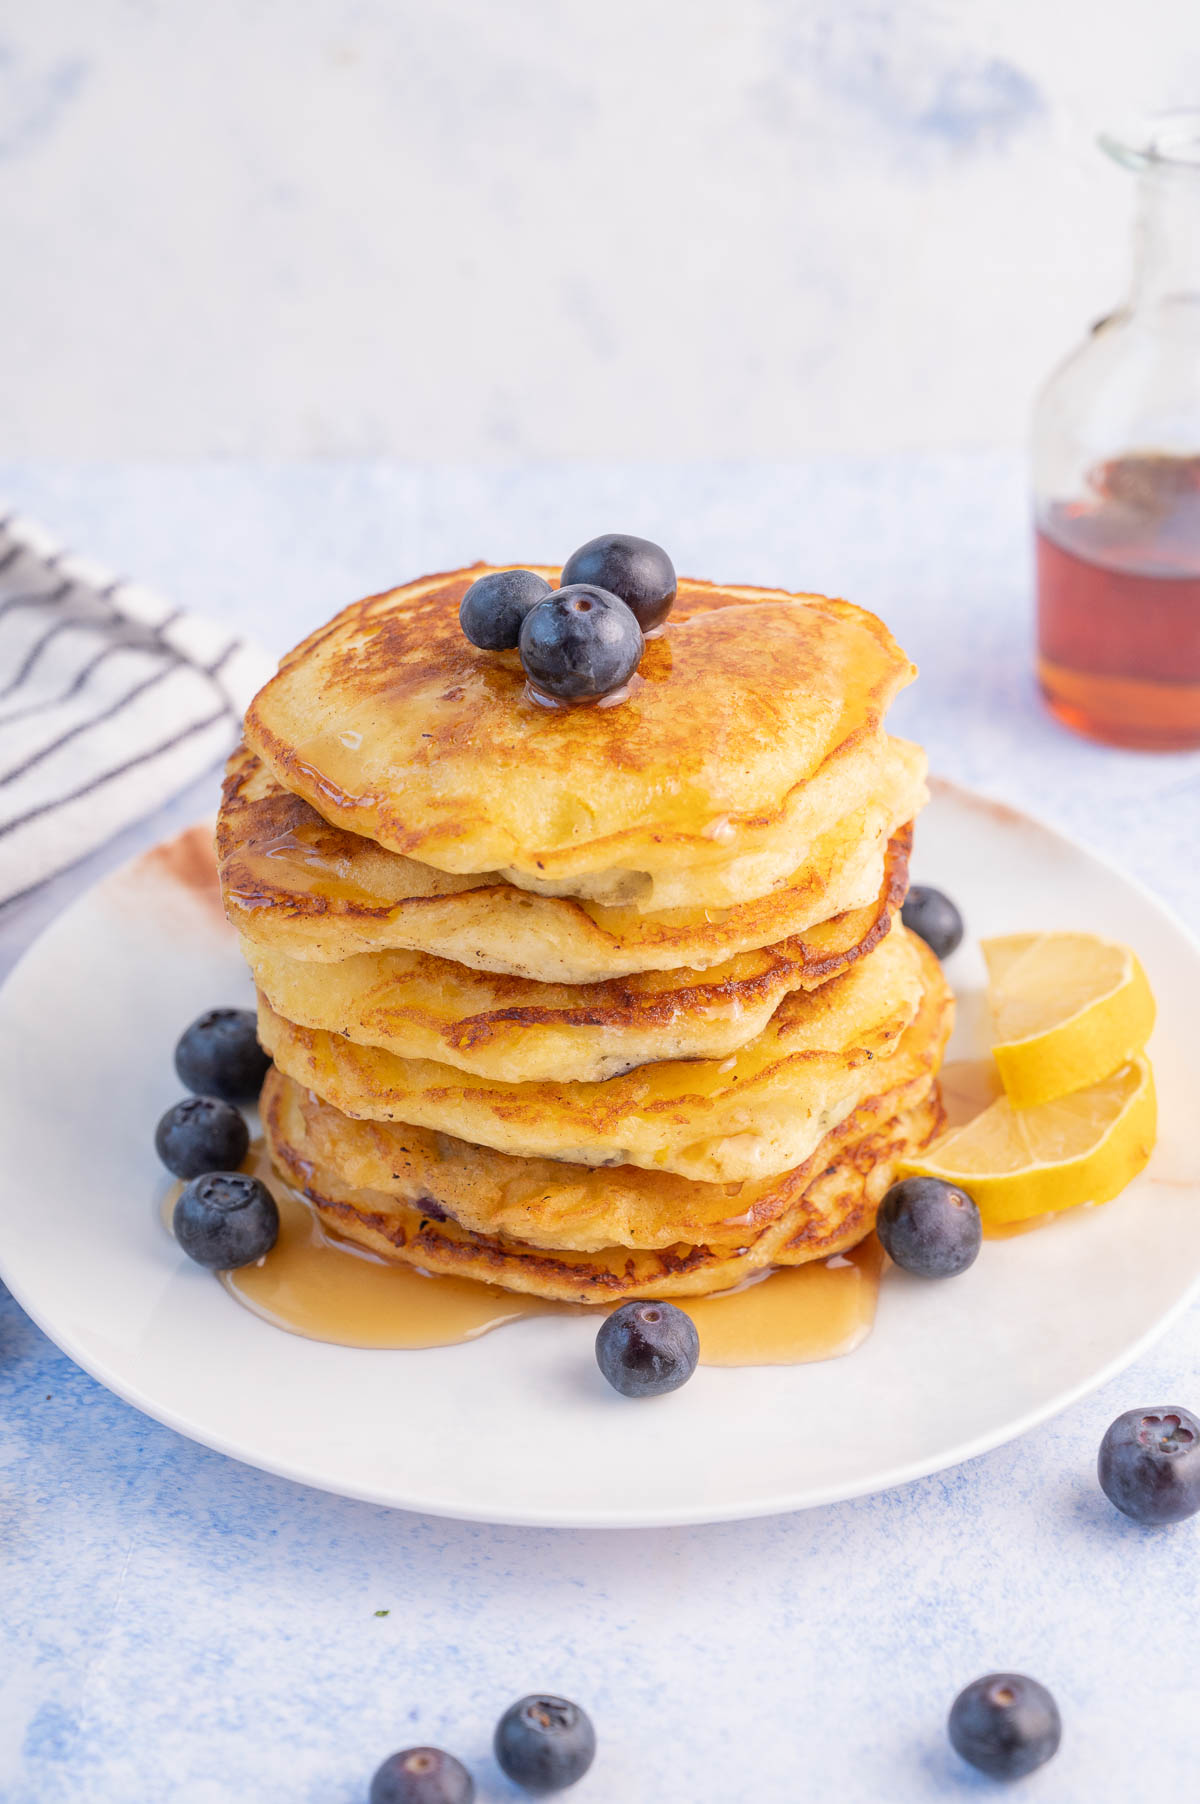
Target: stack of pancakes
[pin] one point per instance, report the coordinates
(595, 1002)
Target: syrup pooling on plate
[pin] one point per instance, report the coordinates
(325, 1289)
(793, 1316)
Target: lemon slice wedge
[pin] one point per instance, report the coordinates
(1082, 1148)
(1067, 1009)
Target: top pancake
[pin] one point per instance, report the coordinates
(754, 721)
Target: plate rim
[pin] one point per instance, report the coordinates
(670, 1517)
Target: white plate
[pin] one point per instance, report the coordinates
(519, 1427)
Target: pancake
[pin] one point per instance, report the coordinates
(752, 725)
(761, 1110)
(520, 1031)
(825, 1207)
(296, 884)
(551, 1203)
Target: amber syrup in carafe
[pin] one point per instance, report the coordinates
(1118, 579)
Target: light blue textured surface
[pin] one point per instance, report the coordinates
(177, 1626)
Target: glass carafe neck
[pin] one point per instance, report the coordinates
(1164, 151)
(1166, 264)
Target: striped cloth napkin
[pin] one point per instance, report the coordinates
(111, 701)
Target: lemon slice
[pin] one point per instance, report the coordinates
(1067, 1009)
(1083, 1148)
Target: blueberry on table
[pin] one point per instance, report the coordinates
(226, 1219)
(219, 1055)
(580, 642)
(933, 917)
(493, 608)
(422, 1776)
(1005, 1725)
(1149, 1465)
(545, 1743)
(647, 1349)
(636, 570)
(200, 1134)
(929, 1227)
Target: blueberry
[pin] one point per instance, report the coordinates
(646, 1349)
(929, 1227)
(545, 1743)
(226, 1219)
(422, 1776)
(933, 918)
(637, 571)
(493, 608)
(1005, 1724)
(219, 1055)
(201, 1134)
(580, 642)
(1149, 1465)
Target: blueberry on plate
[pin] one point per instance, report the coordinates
(636, 570)
(226, 1219)
(1005, 1725)
(646, 1349)
(200, 1134)
(929, 1227)
(493, 608)
(580, 642)
(422, 1776)
(219, 1055)
(1149, 1465)
(933, 917)
(545, 1743)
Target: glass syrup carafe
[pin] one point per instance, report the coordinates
(1116, 469)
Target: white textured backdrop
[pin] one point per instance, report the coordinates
(470, 228)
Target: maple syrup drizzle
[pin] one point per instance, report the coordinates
(326, 1289)
(793, 1315)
